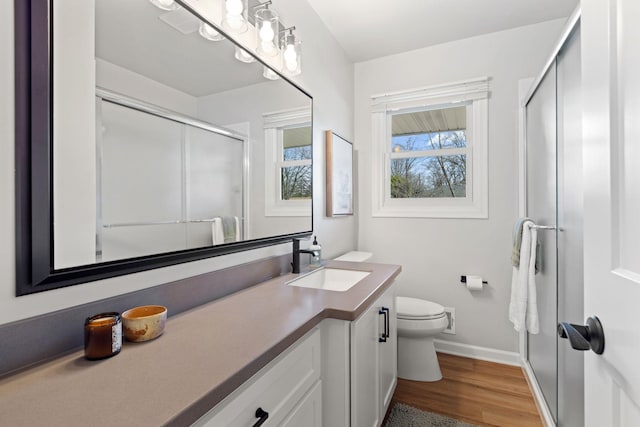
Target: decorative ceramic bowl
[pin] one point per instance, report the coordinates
(144, 323)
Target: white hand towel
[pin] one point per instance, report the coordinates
(523, 308)
(217, 233)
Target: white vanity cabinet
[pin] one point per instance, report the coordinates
(359, 365)
(288, 389)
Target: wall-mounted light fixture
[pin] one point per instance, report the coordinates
(267, 30)
(291, 53)
(165, 4)
(279, 47)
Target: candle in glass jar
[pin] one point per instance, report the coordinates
(102, 335)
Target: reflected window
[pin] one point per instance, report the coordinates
(288, 163)
(295, 165)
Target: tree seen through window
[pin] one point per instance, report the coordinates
(427, 175)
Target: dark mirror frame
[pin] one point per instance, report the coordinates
(35, 270)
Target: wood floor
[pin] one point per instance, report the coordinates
(474, 391)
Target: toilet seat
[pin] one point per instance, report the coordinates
(418, 309)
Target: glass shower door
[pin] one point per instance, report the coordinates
(541, 207)
(554, 197)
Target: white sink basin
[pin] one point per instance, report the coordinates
(330, 279)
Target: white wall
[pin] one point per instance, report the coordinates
(327, 75)
(434, 253)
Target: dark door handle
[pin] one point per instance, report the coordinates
(263, 415)
(584, 337)
(385, 312)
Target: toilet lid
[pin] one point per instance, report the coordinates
(419, 309)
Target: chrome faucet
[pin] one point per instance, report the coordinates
(296, 255)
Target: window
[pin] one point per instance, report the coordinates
(431, 145)
(288, 164)
(295, 163)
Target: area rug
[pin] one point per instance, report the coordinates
(402, 415)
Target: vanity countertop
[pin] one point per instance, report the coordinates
(203, 356)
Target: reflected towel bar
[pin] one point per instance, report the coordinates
(177, 221)
(545, 227)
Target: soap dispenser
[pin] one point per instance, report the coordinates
(315, 259)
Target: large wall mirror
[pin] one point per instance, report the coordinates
(141, 142)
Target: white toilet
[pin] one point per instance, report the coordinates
(419, 321)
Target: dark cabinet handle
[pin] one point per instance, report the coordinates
(385, 312)
(387, 328)
(584, 337)
(263, 415)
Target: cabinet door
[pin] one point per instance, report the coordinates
(365, 379)
(388, 352)
(308, 412)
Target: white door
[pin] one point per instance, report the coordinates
(611, 84)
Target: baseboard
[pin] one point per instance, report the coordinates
(543, 409)
(475, 352)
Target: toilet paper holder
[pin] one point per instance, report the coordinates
(463, 279)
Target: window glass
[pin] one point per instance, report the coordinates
(296, 143)
(295, 173)
(435, 176)
(423, 164)
(296, 182)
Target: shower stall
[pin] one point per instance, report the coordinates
(552, 161)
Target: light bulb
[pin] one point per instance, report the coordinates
(234, 7)
(165, 3)
(290, 53)
(268, 47)
(266, 32)
(234, 22)
(291, 65)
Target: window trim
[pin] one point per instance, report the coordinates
(474, 93)
(274, 123)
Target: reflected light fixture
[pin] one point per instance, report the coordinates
(268, 27)
(165, 4)
(244, 56)
(234, 14)
(268, 73)
(291, 53)
(209, 33)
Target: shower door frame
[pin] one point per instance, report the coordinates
(527, 89)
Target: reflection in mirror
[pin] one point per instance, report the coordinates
(189, 147)
(166, 204)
